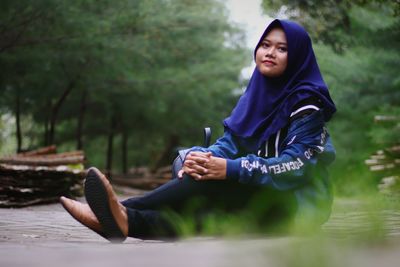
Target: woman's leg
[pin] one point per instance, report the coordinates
(150, 224)
(143, 216)
(176, 194)
(146, 218)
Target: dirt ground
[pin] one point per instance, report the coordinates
(46, 235)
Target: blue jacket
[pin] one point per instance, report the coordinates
(300, 167)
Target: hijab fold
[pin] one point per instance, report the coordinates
(265, 106)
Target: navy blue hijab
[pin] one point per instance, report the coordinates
(266, 105)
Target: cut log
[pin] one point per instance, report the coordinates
(383, 167)
(140, 183)
(44, 161)
(386, 118)
(394, 151)
(378, 157)
(143, 178)
(387, 160)
(41, 151)
(63, 155)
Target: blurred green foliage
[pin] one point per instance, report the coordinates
(357, 47)
(332, 21)
(147, 74)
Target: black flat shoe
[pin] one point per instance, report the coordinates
(98, 200)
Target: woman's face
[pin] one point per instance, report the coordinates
(272, 54)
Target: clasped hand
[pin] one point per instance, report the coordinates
(203, 166)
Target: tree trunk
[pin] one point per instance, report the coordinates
(56, 109)
(79, 131)
(124, 152)
(166, 156)
(46, 126)
(110, 147)
(18, 121)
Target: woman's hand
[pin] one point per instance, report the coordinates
(194, 164)
(216, 169)
(203, 166)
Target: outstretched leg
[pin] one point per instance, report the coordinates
(146, 217)
(176, 193)
(143, 217)
(146, 214)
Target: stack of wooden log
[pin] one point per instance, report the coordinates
(40, 176)
(386, 162)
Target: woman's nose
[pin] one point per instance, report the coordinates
(270, 52)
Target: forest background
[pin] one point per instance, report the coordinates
(130, 81)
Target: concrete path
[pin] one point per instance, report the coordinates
(46, 235)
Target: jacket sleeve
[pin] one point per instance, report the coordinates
(228, 146)
(294, 166)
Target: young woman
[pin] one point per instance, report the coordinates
(272, 159)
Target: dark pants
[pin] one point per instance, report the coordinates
(148, 214)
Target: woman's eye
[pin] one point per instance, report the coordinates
(282, 49)
(264, 45)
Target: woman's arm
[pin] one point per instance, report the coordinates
(228, 146)
(307, 143)
(294, 167)
(213, 157)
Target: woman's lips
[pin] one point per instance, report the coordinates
(268, 62)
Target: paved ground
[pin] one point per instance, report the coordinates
(46, 235)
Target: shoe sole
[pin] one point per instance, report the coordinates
(97, 198)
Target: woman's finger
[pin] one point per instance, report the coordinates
(188, 170)
(189, 162)
(193, 163)
(193, 171)
(200, 154)
(197, 159)
(198, 168)
(180, 173)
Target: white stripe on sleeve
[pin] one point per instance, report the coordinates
(304, 108)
